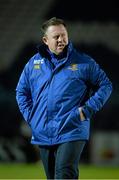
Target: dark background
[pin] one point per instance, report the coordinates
(97, 35)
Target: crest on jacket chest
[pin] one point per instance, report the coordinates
(73, 67)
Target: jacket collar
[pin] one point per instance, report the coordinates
(44, 52)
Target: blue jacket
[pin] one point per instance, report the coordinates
(49, 96)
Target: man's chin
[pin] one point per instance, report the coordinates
(60, 50)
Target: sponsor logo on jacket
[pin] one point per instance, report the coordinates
(37, 63)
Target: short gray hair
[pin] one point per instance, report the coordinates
(53, 21)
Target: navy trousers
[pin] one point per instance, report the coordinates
(62, 161)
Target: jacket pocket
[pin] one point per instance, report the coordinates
(79, 115)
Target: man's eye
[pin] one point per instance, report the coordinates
(56, 37)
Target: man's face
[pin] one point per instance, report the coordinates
(56, 38)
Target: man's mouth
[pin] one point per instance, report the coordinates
(60, 46)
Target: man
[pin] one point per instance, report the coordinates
(57, 93)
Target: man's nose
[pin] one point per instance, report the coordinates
(60, 38)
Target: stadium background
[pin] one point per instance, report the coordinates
(94, 29)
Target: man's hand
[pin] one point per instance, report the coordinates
(82, 116)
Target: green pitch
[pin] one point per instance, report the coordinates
(36, 171)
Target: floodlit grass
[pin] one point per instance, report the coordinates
(36, 171)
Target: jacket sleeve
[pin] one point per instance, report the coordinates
(23, 94)
(99, 79)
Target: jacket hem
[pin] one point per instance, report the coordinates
(52, 142)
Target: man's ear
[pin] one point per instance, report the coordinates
(44, 39)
